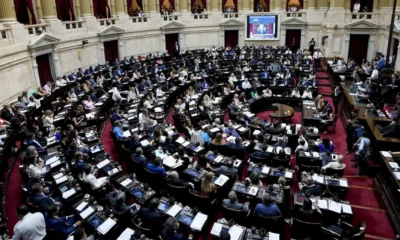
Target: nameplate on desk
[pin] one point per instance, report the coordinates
(101, 164)
(68, 193)
(106, 226)
(198, 221)
(81, 206)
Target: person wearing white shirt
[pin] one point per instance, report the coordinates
(317, 58)
(48, 119)
(89, 178)
(356, 7)
(31, 226)
(116, 96)
(47, 87)
(303, 144)
(159, 92)
(280, 75)
(246, 84)
(375, 73)
(288, 51)
(147, 103)
(131, 94)
(232, 79)
(339, 62)
(295, 93)
(307, 93)
(335, 165)
(61, 82)
(267, 93)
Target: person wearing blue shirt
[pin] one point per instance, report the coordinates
(261, 154)
(237, 145)
(205, 136)
(118, 130)
(33, 142)
(79, 163)
(363, 144)
(89, 71)
(156, 167)
(231, 131)
(267, 208)
(139, 158)
(115, 115)
(64, 225)
(118, 72)
(204, 85)
(72, 77)
(326, 146)
(91, 81)
(381, 63)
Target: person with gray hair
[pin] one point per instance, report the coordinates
(335, 165)
(310, 188)
(267, 208)
(233, 203)
(170, 231)
(139, 157)
(173, 180)
(119, 205)
(237, 145)
(231, 131)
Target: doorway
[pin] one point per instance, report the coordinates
(170, 40)
(231, 38)
(111, 50)
(358, 47)
(44, 69)
(293, 39)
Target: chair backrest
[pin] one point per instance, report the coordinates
(331, 172)
(149, 233)
(153, 179)
(359, 232)
(239, 216)
(203, 203)
(256, 159)
(270, 224)
(179, 192)
(301, 229)
(280, 162)
(308, 168)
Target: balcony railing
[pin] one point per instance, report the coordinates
(231, 15)
(139, 19)
(201, 16)
(170, 17)
(6, 37)
(298, 14)
(75, 26)
(107, 21)
(37, 29)
(361, 15)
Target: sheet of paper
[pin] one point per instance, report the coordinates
(273, 236)
(253, 191)
(307, 154)
(102, 164)
(52, 160)
(397, 175)
(270, 149)
(256, 132)
(145, 143)
(231, 139)
(394, 165)
(219, 159)
(235, 232)
(81, 206)
(265, 170)
(106, 226)
(68, 193)
(199, 221)
(222, 179)
(87, 212)
(323, 204)
(126, 234)
(386, 154)
(315, 154)
(61, 180)
(216, 229)
(174, 210)
(180, 140)
(169, 161)
(347, 209)
(343, 183)
(213, 130)
(126, 182)
(58, 175)
(127, 133)
(335, 206)
(288, 174)
(55, 164)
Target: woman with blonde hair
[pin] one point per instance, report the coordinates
(208, 188)
(219, 140)
(48, 118)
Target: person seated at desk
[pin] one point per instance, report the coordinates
(34, 166)
(267, 92)
(119, 134)
(295, 93)
(204, 85)
(261, 154)
(267, 208)
(63, 225)
(254, 94)
(274, 128)
(205, 113)
(231, 131)
(170, 231)
(173, 180)
(219, 140)
(31, 226)
(228, 170)
(282, 183)
(232, 202)
(326, 145)
(89, 178)
(139, 157)
(120, 206)
(254, 179)
(40, 200)
(208, 188)
(335, 165)
(303, 144)
(31, 141)
(326, 121)
(237, 145)
(205, 136)
(233, 108)
(307, 93)
(319, 102)
(89, 104)
(392, 130)
(156, 167)
(307, 214)
(246, 84)
(310, 188)
(115, 115)
(151, 219)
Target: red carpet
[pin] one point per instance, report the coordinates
(13, 199)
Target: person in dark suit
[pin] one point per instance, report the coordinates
(150, 218)
(261, 154)
(274, 129)
(31, 141)
(39, 199)
(227, 170)
(233, 203)
(89, 71)
(79, 163)
(170, 231)
(307, 214)
(80, 73)
(72, 77)
(392, 130)
(118, 72)
(119, 205)
(173, 180)
(237, 145)
(233, 108)
(310, 188)
(139, 158)
(177, 49)
(64, 225)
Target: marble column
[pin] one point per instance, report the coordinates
(397, 63)
(49, 10)
(77, 10)
(337, 4)
(322, 4)
(215, 5)
(246, 5)
(85, 8)
(119, 7)
(39, 12)
(277, 5)
(7, 12)
(112, 8)
(284, 4)
(311, 4)
(152, 6)
(183, 4)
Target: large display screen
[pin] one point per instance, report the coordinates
(262, 27)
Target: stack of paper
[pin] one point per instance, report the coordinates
(218, 159)
(68, 193)
(270, 149)
(343, 183)
(335, 206)
(315, 154)
(236, 232)
(145, 143)
(256, 132)
(231, 139)
(273, 236)
(174, 210)
(288, 174)
(126, 234)
(169, 161)
(198, 221)
(126, 182)
(81, 206)
(221, 180)
(394, 165)
(52, 160)
(58, 175)
(216, 229)
(106, 226)
(323, 204)
(127, 133)
(386, 154)
(61, 180)
(180, 140)
(214, 130)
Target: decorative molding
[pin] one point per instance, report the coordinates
(294, 22)
(43, 40)
(172, 25)
(111, 30)
(231, 22)
(361, 24)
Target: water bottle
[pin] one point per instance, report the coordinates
(58, 136)
(133, 176)
(339, 222)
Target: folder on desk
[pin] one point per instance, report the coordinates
(52, 160)
(126, 182)
(253, 191)
(307, 154)
(145, 143)
(126, 234)
(270, 149)
(236, 232)
(68, 193)
(265, 170)
(343, 183)
(61, 180)
(273, 236)
(174, 210)
(216, 229)
(81, 206)
(322, 203)
(180, 140)
(198, 221)
(221, 180)
(335, 206)
(102, 164)
(347, 209)
(106, 226)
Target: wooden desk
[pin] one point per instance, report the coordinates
(283, 111)
(386, 189)
(309, 109)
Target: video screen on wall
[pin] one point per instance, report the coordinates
(262, 27)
